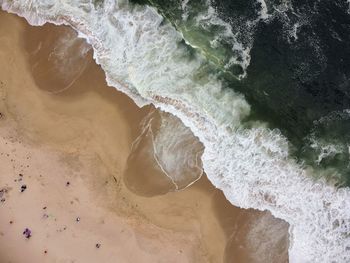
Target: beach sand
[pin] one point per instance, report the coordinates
(67, 136)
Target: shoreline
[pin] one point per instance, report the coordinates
(254, 192)
(72, 141)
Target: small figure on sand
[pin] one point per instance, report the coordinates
(27, 233)
(23, 188)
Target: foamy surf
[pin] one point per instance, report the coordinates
(143, 57)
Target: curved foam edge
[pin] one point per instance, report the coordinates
(252, 167)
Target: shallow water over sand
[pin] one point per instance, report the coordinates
(69, 108)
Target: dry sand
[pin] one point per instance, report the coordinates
(68, 126)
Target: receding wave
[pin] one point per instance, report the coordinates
(146, 58)
(68, 50)
(168, 148)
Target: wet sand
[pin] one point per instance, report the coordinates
(70, 137)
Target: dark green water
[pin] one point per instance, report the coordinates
(298, 78)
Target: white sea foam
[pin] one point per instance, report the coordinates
(184, 6)
(263, 11)
(240, 51)
(144, 58)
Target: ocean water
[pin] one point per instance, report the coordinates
(262, 84)
(291, 58)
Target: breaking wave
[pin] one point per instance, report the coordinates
(146, 58)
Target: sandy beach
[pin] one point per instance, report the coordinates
(65, 140)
